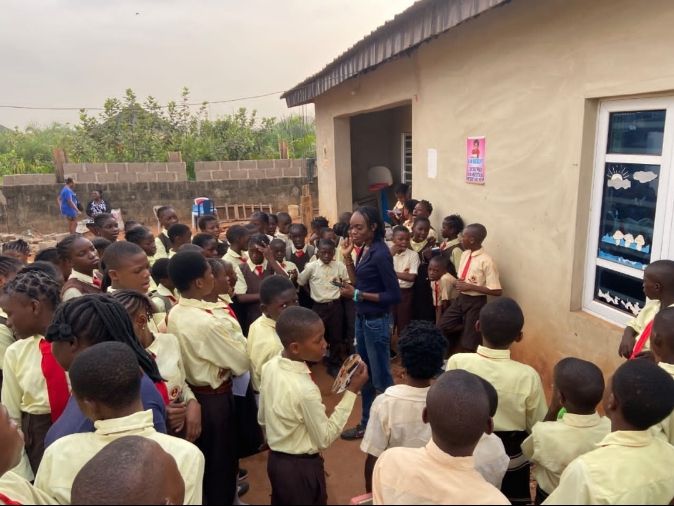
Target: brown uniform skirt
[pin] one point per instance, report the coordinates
(35, 429)
(296, 479)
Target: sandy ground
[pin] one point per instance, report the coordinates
(344, 462)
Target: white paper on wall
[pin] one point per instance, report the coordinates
(432, 163)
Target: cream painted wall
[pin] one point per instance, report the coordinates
(527, 76)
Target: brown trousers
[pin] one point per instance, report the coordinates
(402, 313)
(462, 315)
(296, 479)
(218, 443)
(35, 429)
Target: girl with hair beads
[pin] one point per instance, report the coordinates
(183, 411)
(35, 389)
(8, 268)
(79, 255)
(88, 320)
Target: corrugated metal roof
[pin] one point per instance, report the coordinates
(420, 22)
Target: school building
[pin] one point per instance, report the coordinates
(563, 109)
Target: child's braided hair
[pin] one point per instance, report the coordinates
(99, 318)
(9, 266)
(64, 246)
(19, 246)
(36, 285)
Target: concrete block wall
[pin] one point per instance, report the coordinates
(132, 172)
(28, 179)
(249, 169)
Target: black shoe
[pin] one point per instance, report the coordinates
(242, 489)
(358, 432)
(243, 474)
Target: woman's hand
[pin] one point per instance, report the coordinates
(347, 291)
(347, 247)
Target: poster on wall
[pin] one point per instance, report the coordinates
(432, 163)
(475, 156)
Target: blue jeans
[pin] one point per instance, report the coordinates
(373, 342)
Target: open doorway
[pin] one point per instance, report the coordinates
(380, 138)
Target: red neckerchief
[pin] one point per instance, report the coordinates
(57, 383)
(300, 253)
(436, 293)
(6, 500)
(467, 267)
(161, 386)
(645, 336)
(259, 270)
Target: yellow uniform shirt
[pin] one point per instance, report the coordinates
(552, 446)
(395, 420)
(667, 425)
(645, 316)
(161, 250)
(236, 260)
(456, 252)
(443, 289)
(482, 271)
(64, 459)
(406, 262)
(629, 467)
(319, 276)
(263, 344)
(162, 291)
(73, 293)
(19, 490)
(212, 348)
(418, 246)
(521, 400)
(166, 351)
(6, 338)
(292, 410)
(430, 476)
(409, 225)
(289, 267)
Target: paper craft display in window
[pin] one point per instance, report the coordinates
(628, 213)
(617, 290)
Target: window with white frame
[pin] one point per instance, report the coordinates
(632, 206)
(406, 158)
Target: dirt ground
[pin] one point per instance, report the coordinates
(344, 462)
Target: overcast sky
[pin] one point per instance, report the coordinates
(56, 53)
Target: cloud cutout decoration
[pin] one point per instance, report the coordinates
(619, 184)
(645, 177)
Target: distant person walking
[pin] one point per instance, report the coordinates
(97, 205)
(70, 207)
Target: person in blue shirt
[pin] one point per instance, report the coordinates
(83, 322)
(67, 201)
(375, 293)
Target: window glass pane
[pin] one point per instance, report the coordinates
(629, 199)
(619, 291)
(636, 133)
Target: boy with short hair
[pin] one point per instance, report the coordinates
(442, 285)
(478, 278)
(554, 444)
(259, 220)
(443, 471)
(424, 209)
(293, 414)
(324, 276)
(406, 264)
(179, 234)
(662, 344)
(284, 221)
(659, 289)
(273, 225)
(263, 344)
(630, 466)
(213, 350)
(167, 216)
(278, 246)
(14, 489)
(299, 252)
(209, 224)
(143, 473)
(396, 415)
(238, 238)
(106, 384)
(452, 226)
(520, 390)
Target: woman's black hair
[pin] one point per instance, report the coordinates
(48, 255)
(47, 268)
(64, 246)
(19, 246)
(456, 222)
(99, 318)
(410, 205)
(137, 234)
(134, 302)
(202, 239)
(9, 265)
(185, 267)
(113, 257)
(373, 218)
(341, 229)
(35, 284)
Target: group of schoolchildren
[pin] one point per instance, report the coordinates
(227, 333)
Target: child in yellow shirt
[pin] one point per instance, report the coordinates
(662, 344)
(555, 443)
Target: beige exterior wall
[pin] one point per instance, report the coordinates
(528, 76)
